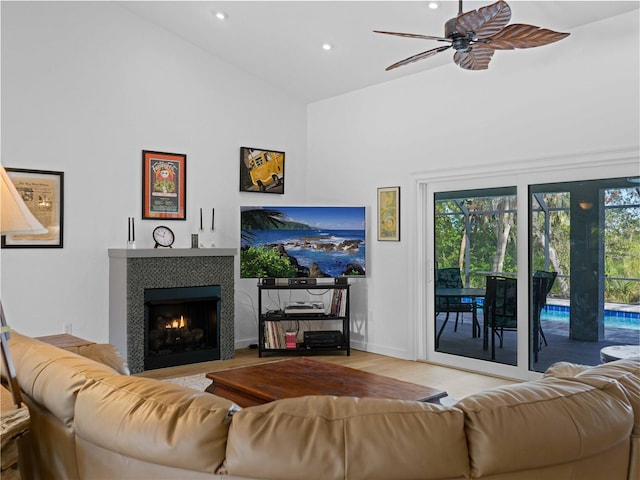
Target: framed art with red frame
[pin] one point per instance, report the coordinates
(164, 185)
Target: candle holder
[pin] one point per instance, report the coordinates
(131, 233)
(213, 226)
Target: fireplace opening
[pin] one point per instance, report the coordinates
(182, 325)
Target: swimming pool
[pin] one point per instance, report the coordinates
(560, 313)
(612, 318)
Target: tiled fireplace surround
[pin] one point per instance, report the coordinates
(131, 271)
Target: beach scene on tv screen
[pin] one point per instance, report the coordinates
(316, 242)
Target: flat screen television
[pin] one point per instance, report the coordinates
(315, 242)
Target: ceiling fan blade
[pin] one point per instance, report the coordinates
(485, 21)
(414, 35)
(520, 35)
(477, 58)
(419, 56)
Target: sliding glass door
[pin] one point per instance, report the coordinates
(475, 238)
(588, 234)
(572, 271)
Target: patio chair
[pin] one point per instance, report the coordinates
(451, 278)
(542, 284)
(500, 308)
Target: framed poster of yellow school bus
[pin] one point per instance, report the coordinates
(261, 170)
(389, 214)
(43, 193)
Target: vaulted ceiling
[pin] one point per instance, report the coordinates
(281, 41)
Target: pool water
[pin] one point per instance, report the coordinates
(612, 318)
(560, 313)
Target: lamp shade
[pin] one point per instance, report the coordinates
(15, 216)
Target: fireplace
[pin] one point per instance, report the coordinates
(136, 272)
(181, 325)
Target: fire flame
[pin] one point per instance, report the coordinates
(176, 323)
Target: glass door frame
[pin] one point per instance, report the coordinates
(619, 163)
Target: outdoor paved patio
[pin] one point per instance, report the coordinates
(560, 346)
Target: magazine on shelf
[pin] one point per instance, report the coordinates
(339, 303)
(274, 335)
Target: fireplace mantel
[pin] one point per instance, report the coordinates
(131, 271)
(171, 252)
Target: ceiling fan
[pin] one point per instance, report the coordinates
(477, 34)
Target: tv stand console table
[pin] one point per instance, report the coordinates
(272, 323)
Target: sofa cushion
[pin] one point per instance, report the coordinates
(626, 372)
(49, 447)
(334, 437)
(553, 421)
(51, 376)
(154, 421)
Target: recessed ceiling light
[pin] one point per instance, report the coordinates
(221, 15)
(327, 46)
(433, 5)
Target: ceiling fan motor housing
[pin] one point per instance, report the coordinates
(461, 43)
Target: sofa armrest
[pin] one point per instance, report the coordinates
(565, 370)
(104, 353)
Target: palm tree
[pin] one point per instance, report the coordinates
(258, 219)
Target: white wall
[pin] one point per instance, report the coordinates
(578, 95)
(86, 86)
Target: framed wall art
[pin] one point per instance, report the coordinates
(164, 185)
(43, 193)
(389, 214)
(261, 170)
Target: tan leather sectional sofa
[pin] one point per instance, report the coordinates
(89, 422)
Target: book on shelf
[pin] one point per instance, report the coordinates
(274, 335)
(339, 303)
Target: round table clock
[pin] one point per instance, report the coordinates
(163, 236)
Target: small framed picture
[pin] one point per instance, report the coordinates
(43, 193)
(164, 185)
(389, 214)
(261, 170)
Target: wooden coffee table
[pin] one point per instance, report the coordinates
(297, 377)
